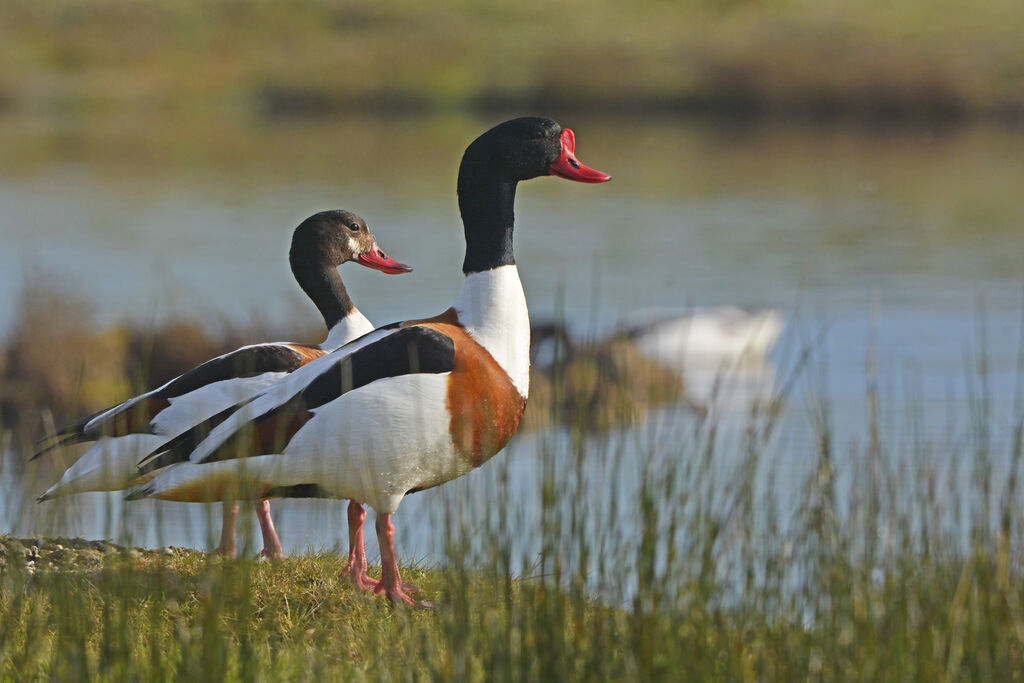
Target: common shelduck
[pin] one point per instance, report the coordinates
(701, 347)
(130, 430)
(679, 339)
(721, 334)
(408, 406)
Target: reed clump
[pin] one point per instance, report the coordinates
(600, 386)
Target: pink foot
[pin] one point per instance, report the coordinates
(391, 581)
(358, 575)
(268, 555)
(357, 567)
(272, 549)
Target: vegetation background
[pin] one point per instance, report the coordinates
(927, 58)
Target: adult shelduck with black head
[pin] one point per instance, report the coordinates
(408, 406)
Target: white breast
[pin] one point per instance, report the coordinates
(492, 307)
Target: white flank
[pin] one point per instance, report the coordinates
(280, 392)
(492, 307)
(373, 444)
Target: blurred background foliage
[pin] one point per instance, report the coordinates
(876, 58)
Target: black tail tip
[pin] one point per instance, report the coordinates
(44, 446)
(139, 492)
(50, 443)
(149, 463)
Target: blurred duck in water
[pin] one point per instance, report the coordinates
(725, 335)
(663, 357)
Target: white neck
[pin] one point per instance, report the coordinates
(352, 326)
(492, 308)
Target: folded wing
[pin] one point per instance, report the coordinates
(269, 422)
(142, 414)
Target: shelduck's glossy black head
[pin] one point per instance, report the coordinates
(323, 242)
(529, 147)
(493, 165)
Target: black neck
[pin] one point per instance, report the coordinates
(487, 205)
(322, 283)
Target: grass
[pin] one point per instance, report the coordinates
(869, 59)
(150, 615)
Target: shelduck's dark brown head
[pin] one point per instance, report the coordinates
(335, 237)
(493, 165)
(323, 242)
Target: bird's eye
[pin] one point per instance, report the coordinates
(354, 227)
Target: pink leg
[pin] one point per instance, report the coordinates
(271, 543)
(390, 580)
(227, 530)
(357, 565)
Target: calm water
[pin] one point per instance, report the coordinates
(899, 250)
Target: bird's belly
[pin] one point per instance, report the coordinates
(378, 442)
